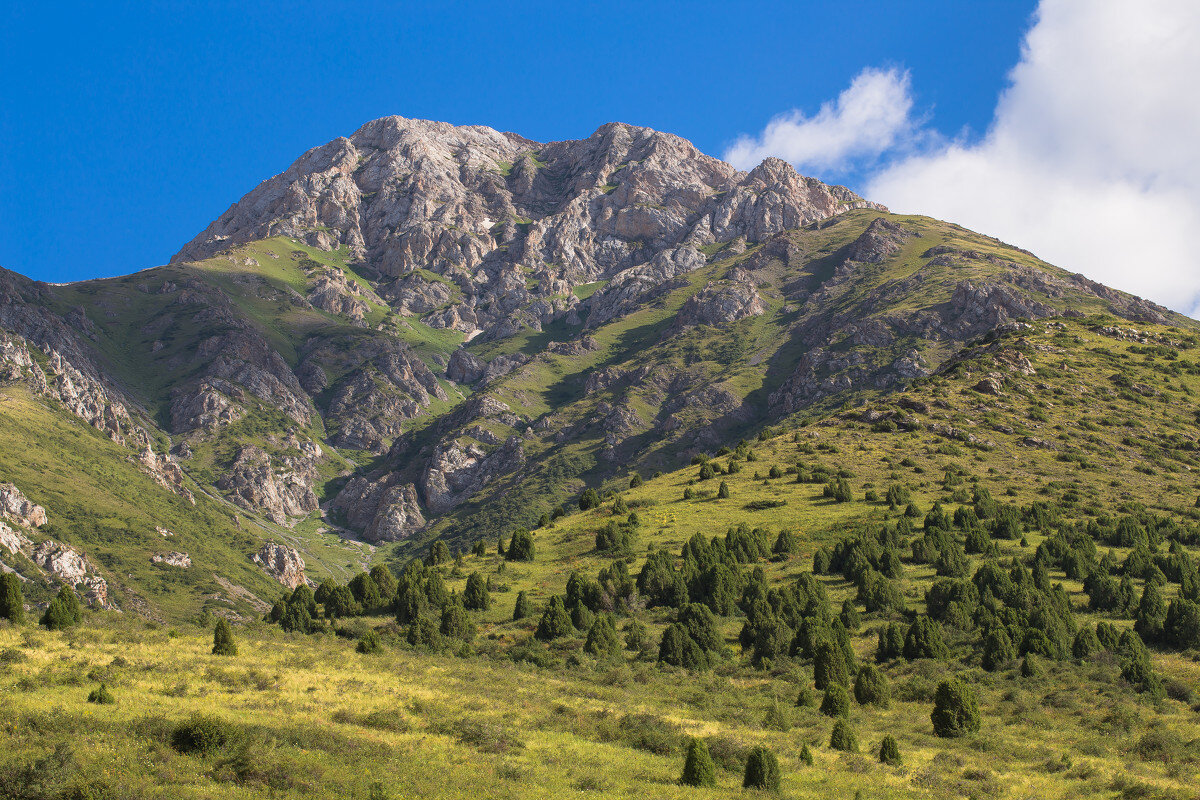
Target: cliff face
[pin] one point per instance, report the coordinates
(514, 225)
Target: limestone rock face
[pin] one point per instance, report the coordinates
(510, 225)
(172, 558)
(282, 563)
(17, 507)
(721, 304)
(280, 487)
(14, 541)
(70, 567)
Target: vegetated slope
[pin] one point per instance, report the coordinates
(430, 332)
(1042, 489)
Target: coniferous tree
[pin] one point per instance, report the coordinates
(223, 644)
(523, 607)
(871, 687)
(698, 767)
(439, 553)
(635, 481)
(12, 600)
(836, 702)
(101, 696)
(998, 649)
(602, 641)
(723, 491)
(1086, 644)
(955, 710)
(385, 581)
(589, 499)
(63, 611)
(924, 640)
(762, 770)
(456, 623)
(829, 666)
(889, 751)
(475, 595)
(806, 757)
(555, 622)
(843, 737)
(521, 546)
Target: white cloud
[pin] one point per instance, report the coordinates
(870, 117)
(1092, 159)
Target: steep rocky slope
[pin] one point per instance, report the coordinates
(425, 330)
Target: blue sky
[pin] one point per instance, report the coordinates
(1065, 126)
(126, 128)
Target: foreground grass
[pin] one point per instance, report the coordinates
(314, 718)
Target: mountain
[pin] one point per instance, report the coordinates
(426, 331)
(523, 469)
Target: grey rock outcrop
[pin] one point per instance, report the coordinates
(279, 486)
(282, 563)
(172, 558)
(15, 506)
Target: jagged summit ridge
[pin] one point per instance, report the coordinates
(490, 210)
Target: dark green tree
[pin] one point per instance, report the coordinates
(998, 649)
(523, 607)
(889, 751)
(843, 737)
(679, 649)
(555, 622)
(924, 640)
(439, 553)
(521, 546)
(602, 641)
(871, 687)
(635, 481)
(698, 767)
(456, 623)
(63, 611)
(829, 666)
(723, 491)
(12, 600)
(1086, 644)
(762, 770)
(223, 644)
(475, 595)
(366, 592)
(589, 499)
(101, 696)
(955, 710)
(385, 580)
(836, 702)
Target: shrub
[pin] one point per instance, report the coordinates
(101, 696)
(12, 600)
(871, 687)
(523, 607)
(202, 735)
(723, 491)
(806, 756)
(456, 624)
(762, 770)
(521, 546)
(439, 553)
(1030, 668)
(64, 611)
(698, 767)
(955, 710)
(829, 667)
(836, 702)
(475, 595)
(589, 499)
(1086, 644)
(843, 737)
(924, 640)
(602, 639)
(223, 644)
(998, 649)
(555, 622)
(889, 751)
(635, 481)
(807, 698)
(369, 643)
(679, 649)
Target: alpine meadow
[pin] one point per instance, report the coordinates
(452, 464)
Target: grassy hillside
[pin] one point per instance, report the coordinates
(1096, 424)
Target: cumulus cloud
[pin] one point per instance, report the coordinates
(870, 117)
(1091, 159)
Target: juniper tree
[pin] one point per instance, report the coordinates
(843, 737)
(101, 696)
(555, 622)
(836, 702)
(521, 546)
(924, 640)
(523, 607)
(762, 770)
(955, 710)
(871, 687)
(889, 751)
(1086, 644)
(723, 491)
(589, 499)
(223, 644)
(998, 649)
(475, 595)
(63, 611)
(12, 600)
(829, 667)
(698, 767)
(439, 553)
(456, 623)
(806, 756)
(635, 481)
